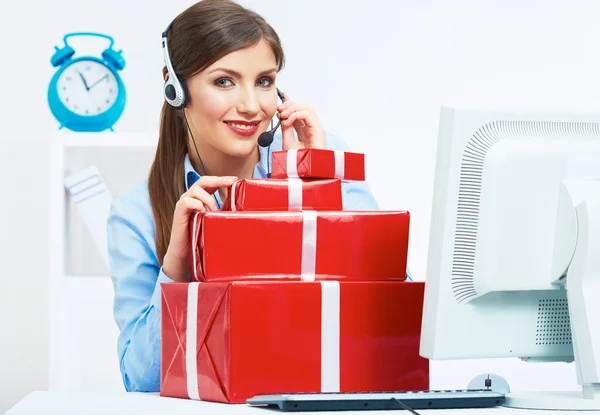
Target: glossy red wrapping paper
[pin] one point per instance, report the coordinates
(313, 163)
(344, 245)
(227, 342)
(284, 194)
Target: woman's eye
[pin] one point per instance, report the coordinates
(223, 82)
(265, 82)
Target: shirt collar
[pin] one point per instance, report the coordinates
(191, 176)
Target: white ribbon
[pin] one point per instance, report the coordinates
(195, 259)
(191, 333)
(330, 336)
(309, 245)
(294, 194)
(232, 196)
(339, 164)
(292, 163)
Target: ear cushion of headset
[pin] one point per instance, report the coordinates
(170, 92)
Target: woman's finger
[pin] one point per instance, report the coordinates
(293, 108)
(188, 203)
(212, 183)
(202, 195)
(286, 103)
(303, 115)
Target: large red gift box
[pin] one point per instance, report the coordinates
(316, 163)
(229, 341)
(284, 194)
(340, 245)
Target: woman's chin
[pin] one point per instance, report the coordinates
(241, 148)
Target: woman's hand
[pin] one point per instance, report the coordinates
(303, 119)
(176, 264)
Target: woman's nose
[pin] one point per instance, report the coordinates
(249, 103)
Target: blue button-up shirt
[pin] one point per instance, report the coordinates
(136, 274)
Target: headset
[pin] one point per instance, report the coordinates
(176, 94)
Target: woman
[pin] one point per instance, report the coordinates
(228, 58)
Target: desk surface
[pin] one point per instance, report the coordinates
(150, 404)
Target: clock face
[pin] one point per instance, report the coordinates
(87, 88)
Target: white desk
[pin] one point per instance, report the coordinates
(151, 404)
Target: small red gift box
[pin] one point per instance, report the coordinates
(314, 163)
(284, 194)
(342, 245)
(227, 342)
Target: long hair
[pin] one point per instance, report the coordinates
(198, 37)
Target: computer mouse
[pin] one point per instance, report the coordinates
(490, 381)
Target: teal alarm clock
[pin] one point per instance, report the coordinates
(86, 94)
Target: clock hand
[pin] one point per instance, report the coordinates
(84, 82)
(98, 81)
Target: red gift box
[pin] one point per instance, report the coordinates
(227, 342)
(343, 245)
(284, 194)
(316, 163)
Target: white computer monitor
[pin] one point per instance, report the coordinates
(514, 253)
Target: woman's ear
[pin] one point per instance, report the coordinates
(165, 73)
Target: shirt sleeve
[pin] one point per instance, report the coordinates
(136, 279)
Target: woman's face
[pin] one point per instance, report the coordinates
(233, 101)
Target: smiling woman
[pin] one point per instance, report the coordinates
(230, 102)
(222, 62)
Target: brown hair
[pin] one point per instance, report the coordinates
(198, 37)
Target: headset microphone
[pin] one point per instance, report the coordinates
(266, 138)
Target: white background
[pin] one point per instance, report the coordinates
(376, 71)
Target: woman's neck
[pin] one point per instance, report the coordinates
(218, 163)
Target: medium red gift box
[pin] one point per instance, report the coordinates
(229, 341)
(316, 163)
(343, 245)
(284, 194)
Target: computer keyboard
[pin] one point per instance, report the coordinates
(351, 401)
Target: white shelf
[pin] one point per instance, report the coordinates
(82, 331)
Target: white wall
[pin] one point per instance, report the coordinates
(377, 72)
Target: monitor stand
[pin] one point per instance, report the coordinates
(583, 295)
